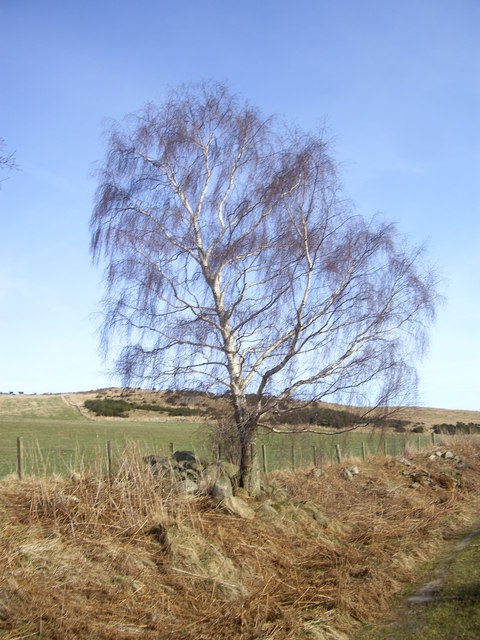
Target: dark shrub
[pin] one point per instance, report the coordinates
(418, 428)
(108, 407)
(459, 428)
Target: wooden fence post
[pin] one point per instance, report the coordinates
(219, 453)
(264, 458)
(433, 437)
(339, 453)
(293, 457)
(385, 447)
(315, 460)
(19, 458)
(171, 449)
(109, 458)
(418, 442)
(364, 451)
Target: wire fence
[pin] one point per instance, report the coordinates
(292, 451)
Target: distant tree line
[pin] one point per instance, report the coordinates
(118, 408)
(315, 416)
(458, 428)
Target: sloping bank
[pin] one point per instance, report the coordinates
(140, 557)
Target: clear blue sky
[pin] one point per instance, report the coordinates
(397, 82)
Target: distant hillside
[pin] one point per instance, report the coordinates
(170, 405)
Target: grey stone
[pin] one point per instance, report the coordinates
(207, 478)
(405, 462)
(421, 476)
(346, 474)
(187, 487)
(448, 455)
(221, 489)
(314, 510)
(267, 509)
(238, 507)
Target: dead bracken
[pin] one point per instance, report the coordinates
(134, 558)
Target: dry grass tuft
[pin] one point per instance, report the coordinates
(85, 557)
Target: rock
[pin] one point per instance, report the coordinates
(314, 510)
(432, 457)
(354, 470)
(184, 456)
(438, 454)
(237, 507)
(221, 489)
(187, 487)
(316, 472)
(346, 474)
(405, 462)
(207, 479)
(415, 485)
(421, 476)
(187, 460)
(448, 455)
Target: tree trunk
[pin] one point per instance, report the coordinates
(249, 468)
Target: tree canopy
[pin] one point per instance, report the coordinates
(234, 262)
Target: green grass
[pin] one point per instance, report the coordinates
(455, 612)
(56, 437)
(279, 446)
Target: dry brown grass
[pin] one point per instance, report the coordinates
(83, 557)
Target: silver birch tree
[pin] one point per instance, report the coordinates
(233, 262)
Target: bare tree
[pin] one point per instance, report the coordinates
(7, 159)
(234, 262)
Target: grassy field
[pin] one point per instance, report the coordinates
(59, 435)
